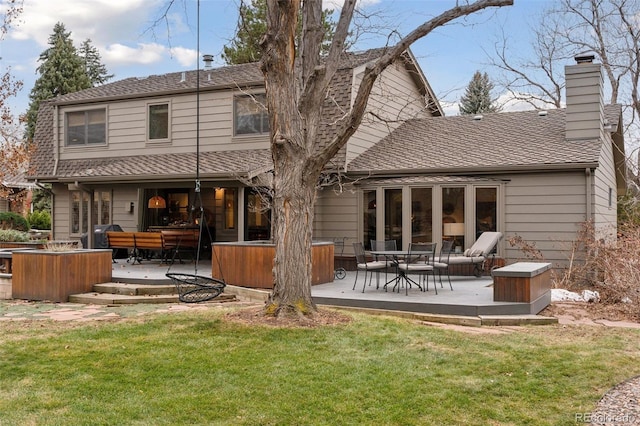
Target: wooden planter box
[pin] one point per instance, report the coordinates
(53, 276)
(521, 282)
(250, 264)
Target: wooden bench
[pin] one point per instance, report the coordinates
(122, 240)
(177, 241)
(146, 242)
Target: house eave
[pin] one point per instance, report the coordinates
(186, 90)
(488, 170)
(137, 179)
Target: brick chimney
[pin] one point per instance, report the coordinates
(584, 95)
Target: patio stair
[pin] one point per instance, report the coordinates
(131, 293)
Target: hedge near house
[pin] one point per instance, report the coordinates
(10, 220)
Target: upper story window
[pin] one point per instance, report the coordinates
(250, 115)
(86, 127)
(158, 122)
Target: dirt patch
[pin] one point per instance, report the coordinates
(256, 316)
(593, 314)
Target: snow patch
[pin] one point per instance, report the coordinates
(561, 295)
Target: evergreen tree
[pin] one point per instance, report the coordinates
(252, 25)
(61, 71)
(95, 69)
(477, 96)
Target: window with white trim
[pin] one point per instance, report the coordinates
(158, 122)
(86, 127)
(250, 115)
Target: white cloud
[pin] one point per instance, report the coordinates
(186, 57)
(95, 19)
(119, 54)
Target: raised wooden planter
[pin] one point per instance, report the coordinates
(250, 263)
(53, 276)
(521, 282)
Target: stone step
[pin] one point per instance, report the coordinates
(128, 293)
(120, 299)
(128, 289)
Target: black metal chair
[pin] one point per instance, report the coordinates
(367, 267)
(441, 263)
(386, 245)
(419, 262)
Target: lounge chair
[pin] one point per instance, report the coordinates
(478, 253)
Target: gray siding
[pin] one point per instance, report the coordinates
(585, 113)
(60, 220)
(336, 216)
(547, 210)
(4, 205)
(605, 195)
(394, 99)
(122, 195)
(127, 123)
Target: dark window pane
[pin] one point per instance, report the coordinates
(250, 115)
(159, 121)
(421, 215)
(86, 127)
(369, 218)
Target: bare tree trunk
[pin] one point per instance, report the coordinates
(293, 221)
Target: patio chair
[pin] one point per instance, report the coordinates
(479, 252)
(419, 261)
(367, 267)
(380, 245)
(441, 262)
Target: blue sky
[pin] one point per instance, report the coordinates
(131, 45)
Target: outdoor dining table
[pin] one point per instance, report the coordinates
(397, 256)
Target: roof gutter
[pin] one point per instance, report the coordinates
(147, 95)
(146, 179)
(473, 170)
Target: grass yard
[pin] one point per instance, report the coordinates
(197, 368)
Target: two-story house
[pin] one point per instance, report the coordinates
(125, 153)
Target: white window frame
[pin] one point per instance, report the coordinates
(148, 122)
(85, 144)
(258, 99)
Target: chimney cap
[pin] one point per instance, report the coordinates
(585, 59)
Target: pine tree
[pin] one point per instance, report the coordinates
(61, 70)
(95, 69)
(252, 25)
(477, 96)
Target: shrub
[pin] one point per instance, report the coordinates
(12, 235)
(612, 268)
(40, 219)
(10, 220)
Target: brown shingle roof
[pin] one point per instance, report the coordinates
(216, 78)
(223, 163)
(498, 141)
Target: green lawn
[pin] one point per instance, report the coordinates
(198, 368)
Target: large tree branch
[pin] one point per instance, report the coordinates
(315, 86)
(372, 72)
